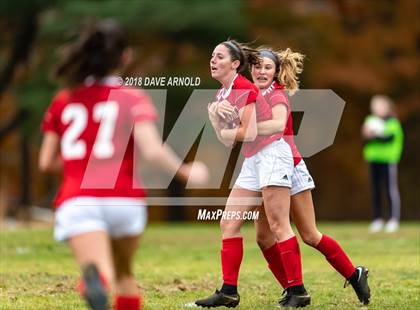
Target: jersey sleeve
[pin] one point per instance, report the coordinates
(142, 108)
(51, 120)
(245, 97)
(279, 97)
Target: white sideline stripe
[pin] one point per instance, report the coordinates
(47, 215)
(202, 201)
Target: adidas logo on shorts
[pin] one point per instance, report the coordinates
(309, 179)
(285, 177)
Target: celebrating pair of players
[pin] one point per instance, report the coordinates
(259, 116)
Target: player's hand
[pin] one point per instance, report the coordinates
(212, 111)
(195, 172)
(214, 117)
(226, 111)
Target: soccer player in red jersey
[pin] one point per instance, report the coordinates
(90, 131)
(266, 171)
(276, 73)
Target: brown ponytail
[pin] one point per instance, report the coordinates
(291, 64)
(245, 54)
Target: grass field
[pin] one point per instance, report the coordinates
(178, 263)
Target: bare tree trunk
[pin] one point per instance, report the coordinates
(22, 47)
(13, 123)
(25, 177)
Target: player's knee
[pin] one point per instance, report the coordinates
(276, 226)
(229, 227)
(281, 229)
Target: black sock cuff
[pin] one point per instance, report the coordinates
(229, 289)
(298, 289)
(354, 276)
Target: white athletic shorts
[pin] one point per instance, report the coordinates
(301, 179)
(118, 216)
(272, 165)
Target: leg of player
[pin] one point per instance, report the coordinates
(303, 215)
(92, 251)
(267, 242)
(126, 290)
(376, 179)
(393, 194)
(277, 205)
(232, 248)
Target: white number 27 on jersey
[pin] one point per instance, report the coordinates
(72, 147)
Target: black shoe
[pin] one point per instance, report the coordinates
(219, 299)
(293, 300)
(95, 293)
(360, 285)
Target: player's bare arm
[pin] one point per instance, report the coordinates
(153, 150)
(247, 129)
(49, 157)
(276, 124)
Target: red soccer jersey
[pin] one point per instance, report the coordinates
(95, 123)
(240, 93)
(269, 98)
(275, 94)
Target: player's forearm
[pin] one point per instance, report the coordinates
(153, 149)
(53, 165)
(224, 141)
(217, 129)
(270, 127)
(164, 157)
(49, 159)
(239, 134)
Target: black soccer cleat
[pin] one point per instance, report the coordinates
(219, 299)
(294, 300)
(95, 292)
(360, 285)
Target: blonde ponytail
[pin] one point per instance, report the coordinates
(291, 64)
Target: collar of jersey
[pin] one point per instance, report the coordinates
(268, 90)
(223, 94)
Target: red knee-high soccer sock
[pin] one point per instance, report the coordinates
(291, 259)
(273, 257)
(231, 256)
(127, 302)
(336, 256)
